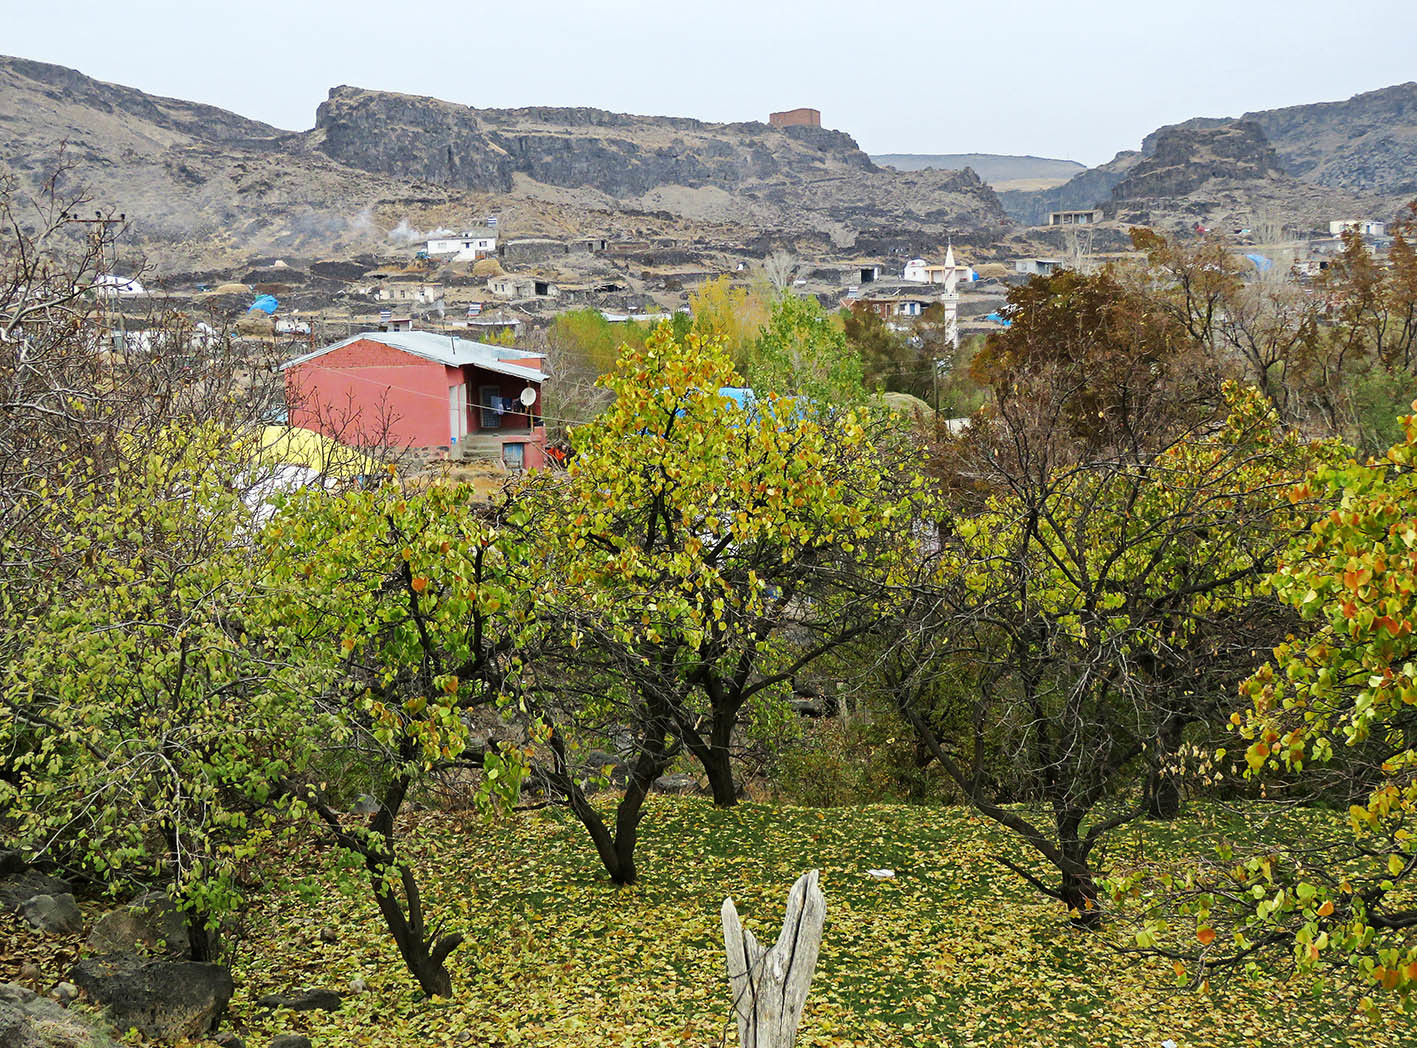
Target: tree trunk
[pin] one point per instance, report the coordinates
(719, 767)
(1163, 791)
(770, 986)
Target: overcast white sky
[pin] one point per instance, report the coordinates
(1077, 79)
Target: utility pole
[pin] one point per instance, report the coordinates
(97, 228)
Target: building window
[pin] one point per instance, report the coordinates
(514, 455)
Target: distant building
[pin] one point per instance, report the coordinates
(463, 247)
(407, 292)
(1362, 226)
(1074, 218)
(1038, 267)
(796, 118)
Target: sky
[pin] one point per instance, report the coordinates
(1078, 79)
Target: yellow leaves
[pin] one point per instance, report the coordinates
(347, 645)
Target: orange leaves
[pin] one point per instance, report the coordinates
(419, 583)
(1326, 910)
(1205, 936)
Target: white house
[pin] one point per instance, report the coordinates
(408, 293)
(1362, 226)
(463, 247)
(918, 271)
(107, 284)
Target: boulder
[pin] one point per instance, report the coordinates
(676, 784)
(316, 1000)
(28, 1020)
(25, 885)
(165, 999)
(290, 1040)
(150, 925)
(57, 914)
(227, 1039)
(11, 862)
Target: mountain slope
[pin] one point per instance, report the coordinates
(793, 178)
(1334, 156)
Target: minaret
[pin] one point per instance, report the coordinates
(951, 299)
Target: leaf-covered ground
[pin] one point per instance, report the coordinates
(953, 951)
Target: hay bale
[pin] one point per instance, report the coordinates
(992, 271)
(256, 322)
(487, 267)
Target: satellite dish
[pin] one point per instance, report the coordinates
(528, 397)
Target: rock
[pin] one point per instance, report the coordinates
(676, 784)
(364, 804)
(53, 913)
(65, 993)
(24, 886)
(28, 1020)
(165, 999)
(290, 1040)
(329, 935)
(30, 973)
(150, 925)
(227, 1039)
(358, 985)
(317, 1000)
(11, 862)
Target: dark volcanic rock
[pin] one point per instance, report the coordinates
(23, 886)
(1182, 159)
(53, 913)
(317, 1000)
(28, 1020)
(150, 924)
(166, 1000)
(618, 154)
(290, 1040)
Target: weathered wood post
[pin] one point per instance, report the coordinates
(770, 986)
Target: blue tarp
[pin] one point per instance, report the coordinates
(997, 319)
(1261, 262)
(266, 303)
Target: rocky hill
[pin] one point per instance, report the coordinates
(1180, 160)
(793, 177)
(202, 185)
(1358, 156)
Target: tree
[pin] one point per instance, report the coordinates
(709, 550)
(1102, 598)
(1341, 690)
(405, 611)
(147, 738)
(779, 267)
(800, 353)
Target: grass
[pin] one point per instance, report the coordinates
(954, 951)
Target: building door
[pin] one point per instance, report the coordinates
(457, 412)
(487, 399)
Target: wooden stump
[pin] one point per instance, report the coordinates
(770, 986)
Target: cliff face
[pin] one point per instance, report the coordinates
(793, 178)
(1361, 152)
(1181, 160)
(616, 154)
(1368, 142)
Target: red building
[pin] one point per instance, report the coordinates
(796, 118)
(420, 389)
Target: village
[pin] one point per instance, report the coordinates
(441, 347)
